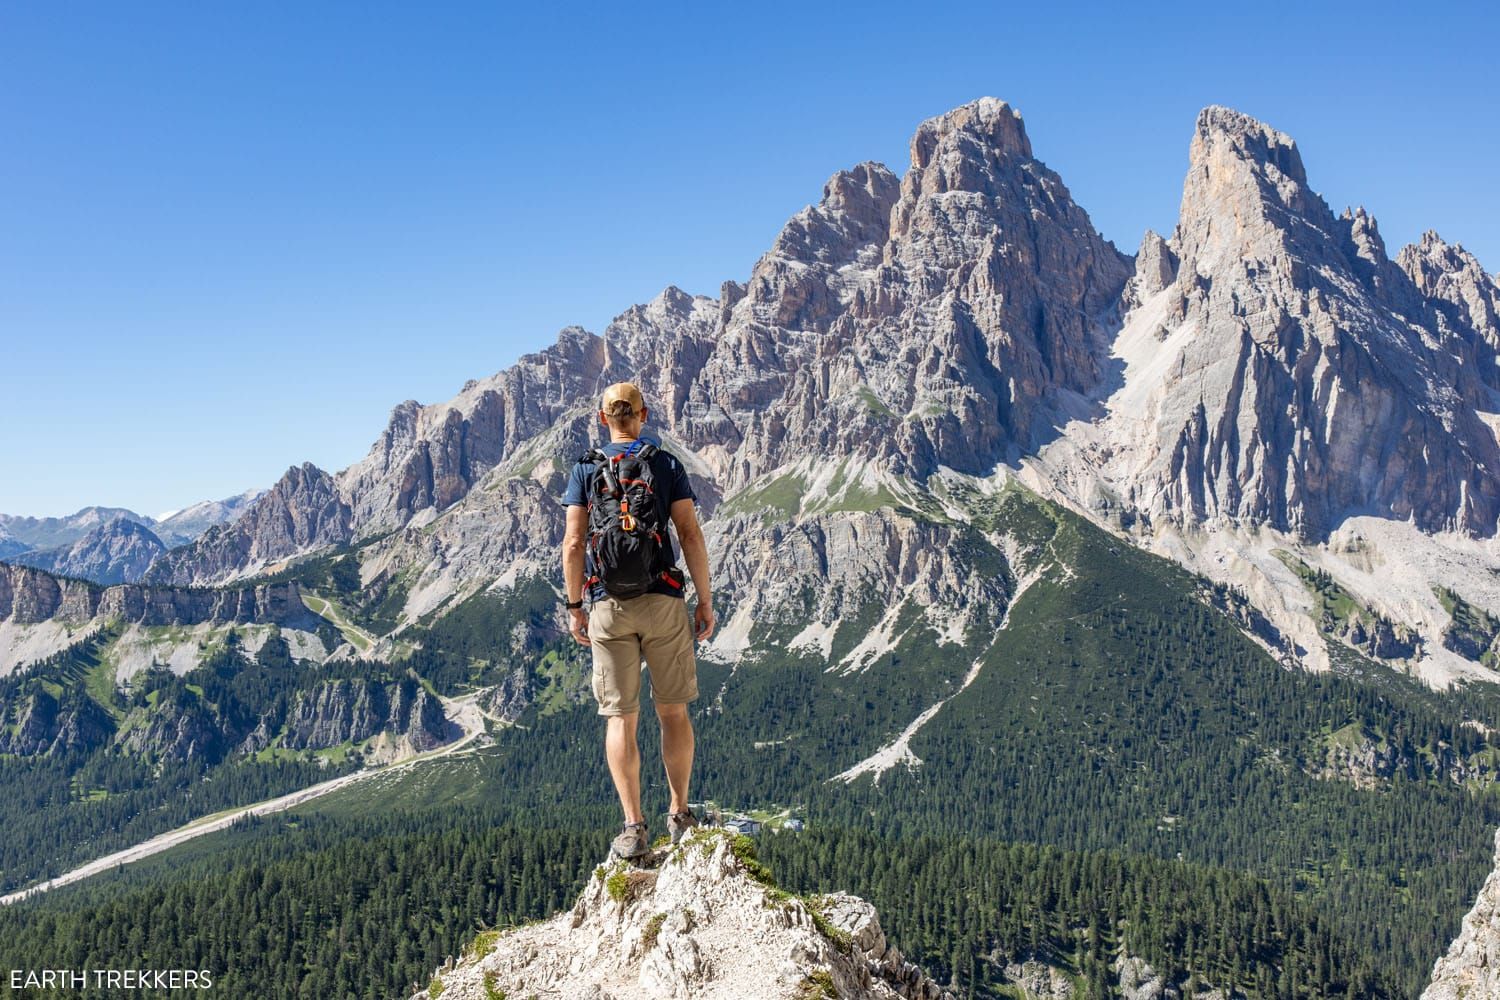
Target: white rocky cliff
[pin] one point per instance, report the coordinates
(698, 926)
(1471, 969)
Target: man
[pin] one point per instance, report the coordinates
(654, 625)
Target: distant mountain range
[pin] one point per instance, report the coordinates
(110, 544)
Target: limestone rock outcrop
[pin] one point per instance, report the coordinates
(29, 595)
(1471, 968)
(342, 710)
(1314, 378)
(37, 723)
(695, 925)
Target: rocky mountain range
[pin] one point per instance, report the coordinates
(110, 544)
(1265, 396)
(118, 551)
(52, 532)
(302, 511)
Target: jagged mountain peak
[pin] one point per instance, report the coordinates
(1306, 392)
(1365, 242)
(1250, 136)
(304, 509)
(1155, 265)
(1466, 299)
(673, 305)
(1431, 238)
(976, 156)
(859, 186)
(301, 473)
(987, 125)
(123, 525)
(117, 550)
(1441, 255)
(1223, 135)
(854, 212)
(1246, 195)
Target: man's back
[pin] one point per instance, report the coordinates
(671, 484)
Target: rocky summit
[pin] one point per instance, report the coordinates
(1310, 378)
(699, 921)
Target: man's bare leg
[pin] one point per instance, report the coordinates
(676, 751)
(624, 756)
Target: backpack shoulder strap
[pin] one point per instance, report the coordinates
(601, 466)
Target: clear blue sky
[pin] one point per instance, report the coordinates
(233, 236)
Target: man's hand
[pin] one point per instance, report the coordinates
(579, 625)
(703, 621)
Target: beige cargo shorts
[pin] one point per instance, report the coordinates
(653, 626)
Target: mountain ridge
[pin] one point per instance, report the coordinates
(1266, 379)
(110, 544)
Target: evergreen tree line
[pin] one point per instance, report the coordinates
(336, 907)
(963, 909)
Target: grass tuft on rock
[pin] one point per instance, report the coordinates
(653, 929)
(743, 848)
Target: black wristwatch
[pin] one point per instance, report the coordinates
(571, 605)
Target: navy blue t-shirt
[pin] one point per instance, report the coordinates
(671, 485)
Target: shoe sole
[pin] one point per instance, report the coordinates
(628, 857)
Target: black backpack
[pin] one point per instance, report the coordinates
(626, 535)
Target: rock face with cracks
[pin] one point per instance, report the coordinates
(697, 925)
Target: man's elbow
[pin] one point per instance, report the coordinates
(692, 540)
(572, 546)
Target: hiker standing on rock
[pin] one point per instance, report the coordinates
(617, 547)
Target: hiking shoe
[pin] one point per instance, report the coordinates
(631, 842)
(679, 824)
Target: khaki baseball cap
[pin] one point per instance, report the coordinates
(622, 399)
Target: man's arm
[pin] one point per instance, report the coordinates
(695, 554)
(572, 560)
